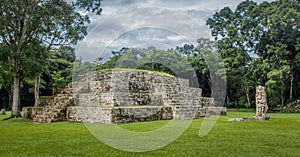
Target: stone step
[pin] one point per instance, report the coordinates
(42, 119)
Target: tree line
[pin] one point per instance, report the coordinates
(260, 45)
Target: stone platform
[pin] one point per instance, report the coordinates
(109, 115)
(121, 97)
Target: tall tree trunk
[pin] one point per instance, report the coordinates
(291, 87)
(282, 98)
(36, 90)
(16, 96)
(227, 99)
(248, 100)
(246, 87)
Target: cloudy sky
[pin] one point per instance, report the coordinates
(143, 23)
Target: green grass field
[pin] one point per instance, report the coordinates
(280, 136)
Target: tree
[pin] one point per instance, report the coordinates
(36, 61)
(258, 43)
(6, 73)
(46, 22)
(231, 40)
(198, 56)
(54, 65)
(61, 64)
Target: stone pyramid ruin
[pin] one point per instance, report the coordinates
(121, 97)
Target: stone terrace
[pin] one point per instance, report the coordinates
(121, 97)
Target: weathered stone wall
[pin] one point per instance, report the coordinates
(45, 100)
(118, 114)
(89, 114)
(127, 89)
(31, 112)
(139, 114)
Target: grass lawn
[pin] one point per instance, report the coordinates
(280, 136)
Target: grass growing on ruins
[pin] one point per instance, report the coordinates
(137, 70)
(277, 137)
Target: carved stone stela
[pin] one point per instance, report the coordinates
(261, 104)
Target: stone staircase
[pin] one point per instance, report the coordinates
(57, 110)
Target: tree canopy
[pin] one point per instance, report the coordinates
(29, 26)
